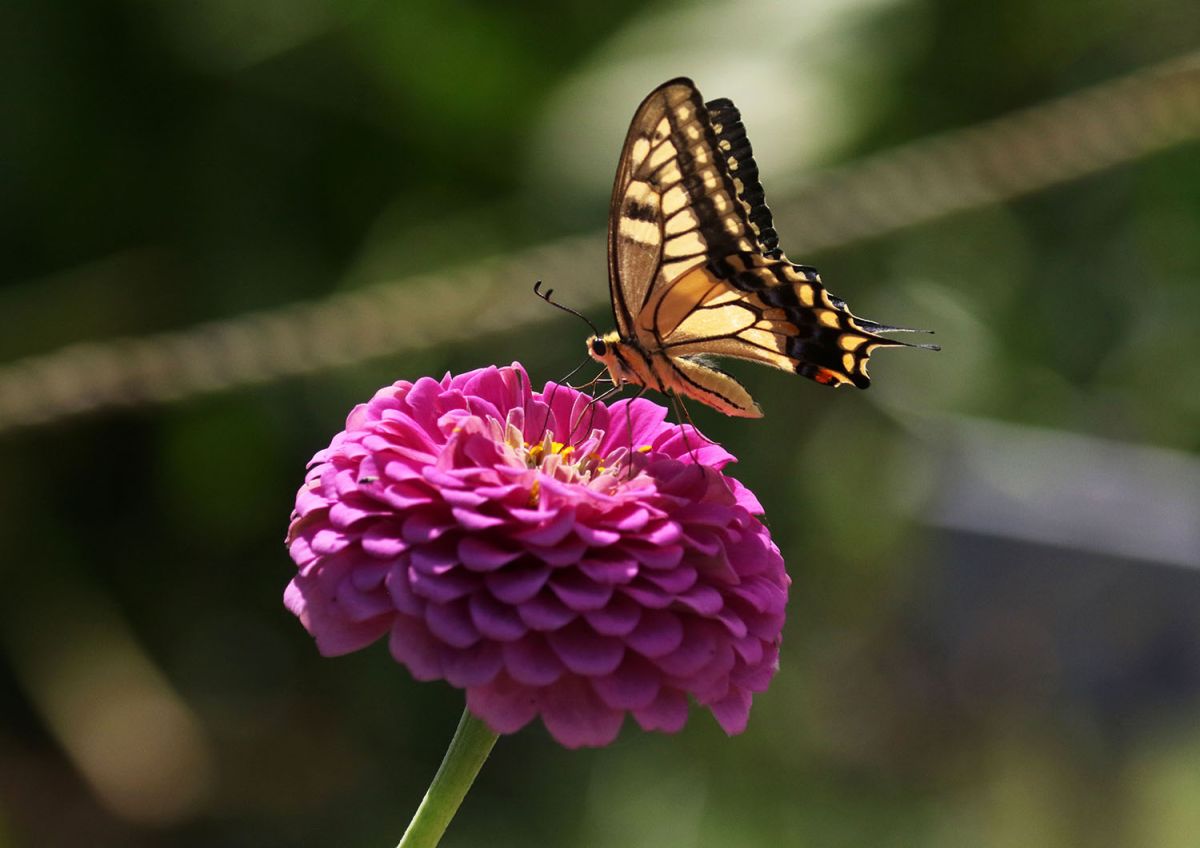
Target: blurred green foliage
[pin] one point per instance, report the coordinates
(166, 164)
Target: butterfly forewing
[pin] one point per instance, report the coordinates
(674, 203)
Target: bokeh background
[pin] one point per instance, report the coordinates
(224, 223)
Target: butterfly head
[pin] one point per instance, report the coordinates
(607, 350)
(601, 348)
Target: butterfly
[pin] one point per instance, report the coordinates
(695, 270)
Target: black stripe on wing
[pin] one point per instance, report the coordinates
(733, 144)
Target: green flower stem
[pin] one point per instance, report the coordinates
(468, 749)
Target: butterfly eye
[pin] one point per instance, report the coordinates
(599, 347)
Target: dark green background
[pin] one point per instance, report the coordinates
(167, 164)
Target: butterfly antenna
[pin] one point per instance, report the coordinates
(546, 296)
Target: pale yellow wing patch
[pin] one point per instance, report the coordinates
(712, 387)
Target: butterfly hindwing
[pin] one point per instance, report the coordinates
(747, 306)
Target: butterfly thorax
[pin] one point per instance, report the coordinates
(626, 360)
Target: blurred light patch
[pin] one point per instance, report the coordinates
(226, 35)
(129, 734)
(788, 71)
(623, 809)
(1069, 490)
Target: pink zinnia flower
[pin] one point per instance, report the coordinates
(510, 543)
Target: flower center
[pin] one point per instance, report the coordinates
(550, 456)
(581, 462)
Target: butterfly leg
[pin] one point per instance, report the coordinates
(590, 407)
(549, 399)
(683, 414)
(629, 425)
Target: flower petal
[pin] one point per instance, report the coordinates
(584, 651)
(531, 661)
(473, 666)
(413, 645)
(632, 686)
(495, 620)
(545, 612)
(382, 539)
(452, 624)
(504, 704)
(479, 554)
(576, 717)
(732, 712)
(579, 592)
(617, 618)
(657, 634)
(518, 582)
(668, 712)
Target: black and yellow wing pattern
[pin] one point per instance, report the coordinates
(695, 268)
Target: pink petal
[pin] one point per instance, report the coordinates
(495, 620)
(584, 651)
(576, 717)
(382, 539)
(474, 666)
(411, 645)
(335, 634)
(674, 581)
(597, 536)
(666, 556)
(657, 634)
(648, 595)
(704, 600)
(667, 713)
(578, 592)
(329, 541)
(442, 588)
(531, 661)
(424, 526)
(545, 612)
(618, 618)
(504, 705)
(665, 533)
(694, 652)
(452, 624)
(469, 519)
(551, 532)
(733, 712)
(612, 571)
(633, 686)
(517, 583)
(397, 582)
(565, 553)
(480, 554)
